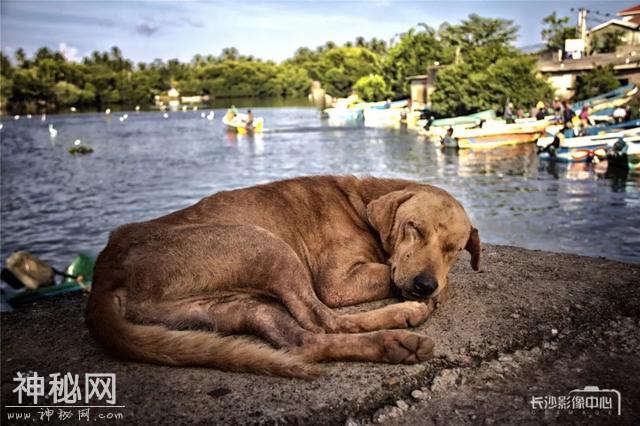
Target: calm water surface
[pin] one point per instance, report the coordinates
(56, 205)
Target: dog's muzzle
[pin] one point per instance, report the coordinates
(424, 285)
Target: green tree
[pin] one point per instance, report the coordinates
(67, 94)
(598, 80)
(486, 79)
(293, 81)
(475, 32)
(339, 68)
(371, 88)
(6, 82)
(607, 42)
(557, 31)
(415, 51)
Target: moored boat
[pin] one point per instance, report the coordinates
(473, 119)
(495, 134)
(633, 154)
(344, 114)
(607, 101)
(76, 278)
(582, 148)
(436, 129)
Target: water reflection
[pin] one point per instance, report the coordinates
(55, 205)
(520, 160)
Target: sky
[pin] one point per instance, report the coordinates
(145, 30)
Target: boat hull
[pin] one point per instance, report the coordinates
(344, 114)
(583, 149)
(498, 135)
(497, 140)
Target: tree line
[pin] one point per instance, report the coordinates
(478, 68)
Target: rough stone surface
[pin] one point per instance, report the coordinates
(495, 349)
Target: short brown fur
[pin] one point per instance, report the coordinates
(271, 261)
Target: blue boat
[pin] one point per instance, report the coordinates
(619, 93)
(596, 130)
(582, 148)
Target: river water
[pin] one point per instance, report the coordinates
(56, 205)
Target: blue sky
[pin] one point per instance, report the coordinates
(165, 29)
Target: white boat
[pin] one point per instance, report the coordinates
(344, 114)
(496, 133)
(582, 148)
(390, 114)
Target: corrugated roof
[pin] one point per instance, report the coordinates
(625, 24)
(633, 10)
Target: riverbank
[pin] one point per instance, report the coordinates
(532, 324)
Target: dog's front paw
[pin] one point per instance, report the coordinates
(411, 314)
(403, 347)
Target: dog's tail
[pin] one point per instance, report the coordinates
(159, 345)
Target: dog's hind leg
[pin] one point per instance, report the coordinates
(261, 317)
(174, 266)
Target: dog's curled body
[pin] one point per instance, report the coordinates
(270, 261)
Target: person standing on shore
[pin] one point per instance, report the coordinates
(542, 110)
(508, 113)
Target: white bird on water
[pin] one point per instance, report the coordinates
(107, 111)
(16, 117)
(202, 115)
(210, 115)
(52, 132)
(165, 115)
(29, 116)
(124, 117)
(76, 142)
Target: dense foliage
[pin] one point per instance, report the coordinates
(478, 69)
(371, 88)
(595, 82)
(556, 31)
(607, 42)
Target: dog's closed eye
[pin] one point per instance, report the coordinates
(414, 230)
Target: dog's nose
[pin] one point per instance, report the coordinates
(425, 285)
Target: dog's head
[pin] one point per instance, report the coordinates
(423, 231)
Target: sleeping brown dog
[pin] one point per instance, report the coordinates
(271, 261)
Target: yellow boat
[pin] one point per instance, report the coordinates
(238, 123)
(496, 134)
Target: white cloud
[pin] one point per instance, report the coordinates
(69, 52)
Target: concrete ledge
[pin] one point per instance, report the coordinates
(533, 323)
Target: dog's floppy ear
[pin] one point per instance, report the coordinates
(381, 213)
(473, 246)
